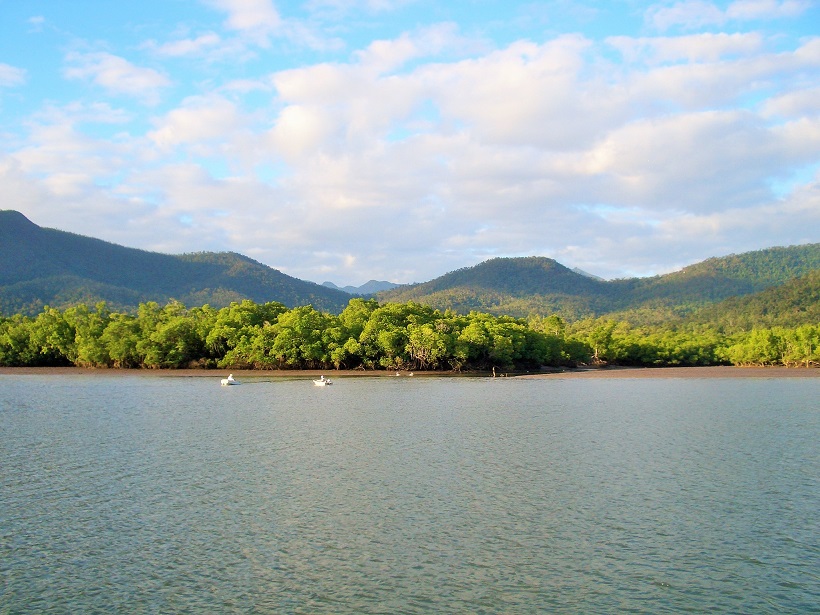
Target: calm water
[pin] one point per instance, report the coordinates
(145, 494)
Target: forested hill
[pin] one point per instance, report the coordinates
(515, 276)
(42, 266)
(522, 286)
(795, 303)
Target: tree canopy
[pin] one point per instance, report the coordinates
(370, 335)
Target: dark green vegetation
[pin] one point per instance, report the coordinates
(41, 266)
(522, 286)
(367, 335)
(758, 308)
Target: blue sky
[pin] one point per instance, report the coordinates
(348, 140)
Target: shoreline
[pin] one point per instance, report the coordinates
(716, 371)
(607, 373)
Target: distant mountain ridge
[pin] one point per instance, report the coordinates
(368, 288)
(42, 266)
(522, 286)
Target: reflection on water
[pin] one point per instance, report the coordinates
(379, 495)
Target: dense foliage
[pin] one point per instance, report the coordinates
(758, 308)
(522, 286)
(369, 335)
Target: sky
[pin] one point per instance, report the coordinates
(349, 140)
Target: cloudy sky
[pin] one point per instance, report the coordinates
(346, 140)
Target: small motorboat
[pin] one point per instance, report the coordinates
(321, 382)
(229, 381)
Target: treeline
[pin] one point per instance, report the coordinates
(369, 335)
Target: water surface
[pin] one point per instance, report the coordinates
(408, 495)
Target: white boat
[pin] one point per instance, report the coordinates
(229, 381)
(321, 382)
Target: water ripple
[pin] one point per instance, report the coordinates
(163, 495)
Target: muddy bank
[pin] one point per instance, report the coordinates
(611, 372)
(684, 372)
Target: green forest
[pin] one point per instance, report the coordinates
(371, 335)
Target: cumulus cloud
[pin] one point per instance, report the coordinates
(197, 121)
(744, 10)
(343, 7)
(36, 22)
(386, 55)
(797, 103)
(525, 94)
(529, 137)
(186, 46)
(255, 20)
(249, 15)
(706, 47)
(692, 14)
(71, 168)
(428, 152)
(11, 76)
(116, 75)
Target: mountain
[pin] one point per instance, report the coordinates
(521, 286)
(513, 286)
(368, 288)
(794, 303)
(42, 266)
(587, 274)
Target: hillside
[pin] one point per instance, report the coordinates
(794, 303)
(42, 266)
(523, 286)
(368, 288)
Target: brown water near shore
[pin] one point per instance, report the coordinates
(611, 372)
(721, 371)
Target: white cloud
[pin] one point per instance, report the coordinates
(745, 10)
(57, 145)
(301, 129)
(387, 55)
(514, 151)
(116, 75)
(689, 14)
(692, 162)
(198, 120)
(423, 153)
(11, 76)
(36, 22)
(793, 104)
(343, 7)
(693, 85)
(526, 94)
(706, 47)
(347, 105)
(255, 20)
(250, 15)
(187, 46)
(692, 14)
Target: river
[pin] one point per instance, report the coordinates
(146, 494)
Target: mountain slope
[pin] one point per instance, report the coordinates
(368, 288)
(792, 304)
(521, 286)
(516, 277)
(40, 266)
(737, 274)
